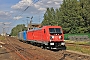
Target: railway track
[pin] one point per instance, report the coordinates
(24, 55)
(36, 53)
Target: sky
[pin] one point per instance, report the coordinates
(14, 12)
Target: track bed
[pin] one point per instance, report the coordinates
(23, 51)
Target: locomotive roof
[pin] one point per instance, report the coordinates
(35, 29)
(52, 26)
(44, 27)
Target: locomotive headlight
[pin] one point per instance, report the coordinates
(51, 43)
(63, 43)
(60, 37)
(52, 36)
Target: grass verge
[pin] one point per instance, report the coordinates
(2, 37)
(79, 49)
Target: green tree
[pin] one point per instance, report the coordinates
(18, 28)
(73, 16)
(49, 17)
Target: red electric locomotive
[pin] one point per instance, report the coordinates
(50, 37)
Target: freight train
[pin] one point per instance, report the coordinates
(48, 37)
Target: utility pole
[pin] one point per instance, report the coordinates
(27, 22)
(31, 23)
(4, 30)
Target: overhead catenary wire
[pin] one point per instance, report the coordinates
(34, 1)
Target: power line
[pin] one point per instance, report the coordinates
(34, 1)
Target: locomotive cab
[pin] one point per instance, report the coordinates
(55, 38)
(56, 34)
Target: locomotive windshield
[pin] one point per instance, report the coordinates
(55, 30)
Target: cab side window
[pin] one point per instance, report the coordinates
(44, 30)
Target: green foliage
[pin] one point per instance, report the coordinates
(17, 29)
(73, 16)
(49, 17)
